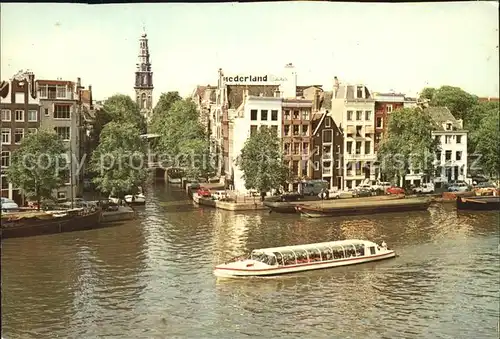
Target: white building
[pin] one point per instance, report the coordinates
(353, 112)
(254, 112)
(451, 159)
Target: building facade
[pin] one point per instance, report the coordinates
(385, 103)
(62, 103)
(254, 113)
(327, 151)
(144, 79)
(451, 158)
(353, 112)
(20, 115)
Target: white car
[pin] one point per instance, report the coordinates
(425, 188)
(8, 204)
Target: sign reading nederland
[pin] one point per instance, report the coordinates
(253, 79)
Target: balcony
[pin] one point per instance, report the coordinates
(371, 157)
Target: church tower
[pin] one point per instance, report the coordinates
(144, 79)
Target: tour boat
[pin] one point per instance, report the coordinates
(291, 259)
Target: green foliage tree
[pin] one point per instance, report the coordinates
(458, 101)
(162, 108)
(37, 164)
(487, 142)
(119, 161)
(121, 108)
(428, 93)
(261, 161)
(408, 144)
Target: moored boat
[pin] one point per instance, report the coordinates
(367, 207)
(137, 199)
(280, 207)
(25, 224)
(479, 203)
(298, 258)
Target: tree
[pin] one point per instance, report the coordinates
(121, 108)
(457, 100)
(119, 160)
(487, 140)
(477, 114)
(196, 160)
(408, 143)
(37, 164)
(163, 107)
(428, 93)
(261, 161)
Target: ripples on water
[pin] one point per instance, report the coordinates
(152, 278)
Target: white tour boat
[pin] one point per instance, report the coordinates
(138, 199)
(290, 259)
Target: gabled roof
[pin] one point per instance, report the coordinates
(442, 115)
(323, 116)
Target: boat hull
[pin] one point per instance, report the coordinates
(234, 273)
(280, 207)
(483, 203)
(34, 227)
(312, 212)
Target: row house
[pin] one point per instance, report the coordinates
(353, 112)
(20, 115)
(327, 154)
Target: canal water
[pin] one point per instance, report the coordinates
(152, 278)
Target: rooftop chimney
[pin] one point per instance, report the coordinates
(335, 86)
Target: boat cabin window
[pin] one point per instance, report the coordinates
(264, 258)
(279, 258)
(360, 249)
(326, 253)
(301, 256)
(314, 254)
(372, 250)
(338, 252)
(288, 258)
(350, 251)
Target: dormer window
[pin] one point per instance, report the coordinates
(448, 126)
(359, 92)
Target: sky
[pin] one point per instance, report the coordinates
(400, 47)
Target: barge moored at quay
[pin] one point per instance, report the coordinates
(479, 203)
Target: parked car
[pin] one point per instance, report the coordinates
(458, 187)
(204, 192)
(485, 188)
(424, 188)
(219, 195)
(8, 204)
(361, 192)
(395, 190)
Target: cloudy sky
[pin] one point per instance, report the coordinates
(402, 47)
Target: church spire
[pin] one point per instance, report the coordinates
(144, 77)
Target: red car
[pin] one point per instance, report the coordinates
(395, 190)
(204, 192)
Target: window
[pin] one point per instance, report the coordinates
(458, 155)
(51, 91)
(438, 155)
(263, 114)
(5, 182)
(287, 149)
(5, 159)
(358, 131)
(459, 139)
(43, 91)
(378, 137)
(295, 167)
(47, 112)
(18, 135)
(379, 122)
(296, 148)
(316, 150)
(286, 130)
(32, 115)
(349, 115)
(437, 138)
(61, 195)
(305, 148)
(305, 115)
(61, 91)
(6, 136)
(6, 115)
(316, 165)
(327, 135)
(388, 108)
(63, 132)
(305, 130)
(328, 122)
(295, 130)
(447, 139)
(359, 92)
(274, 115)
(61, 112)
(358, 147)
(349, 147)
(287, 114)
(359, 115)
(368, 115)
(32, 130)
(19, 115)
(296, 114)
(448, 155)
(448, 126)
(367, 147)
(253, 114)
(253, 129)
(275, 130)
